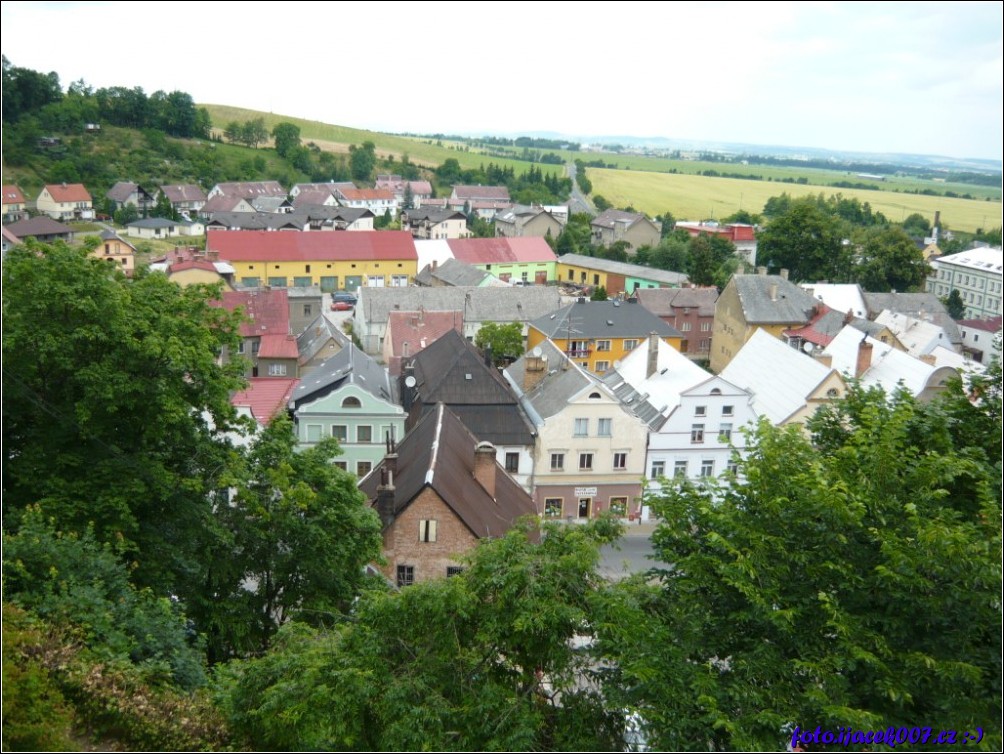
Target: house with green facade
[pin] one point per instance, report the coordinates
(528, 261)
(351, 398)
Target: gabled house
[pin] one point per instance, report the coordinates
(9, 241)
(461, 194)
(193, 267)
(377, 201)
(981, 339)
(126, 193)
(257, 220)
(689, 310)
(613, 225)
(328, 188)
(248, 189)
(13, 204)
(65, 201)
(331, 260)
(918, 336)
(757, 302)
(274, 204)
(923, 306)
(452, 272)
(450, 370)
(410, 332)
(314, 198)
(398, 186)
(351, 398)
(615, 277)
(590, 451)
(265, 397)
(185, 197)
(742, 236)
(977, 274)
(694, 417)
(787, 385)
(305, 303)
(42, 228)
(438, 492)
(320, 217)
(476, 306)
(318, 342)
(266, 342)
(154, 227)
(226, 203)
(522, 220)
(524, 260)
(116, 251)
(596, 334)
(434, 223)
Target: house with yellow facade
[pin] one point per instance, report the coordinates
(615, 277)
(333, 261)
(597, 334)
(116, 251)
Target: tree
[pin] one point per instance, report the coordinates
(807, 242)
(362, 160)
(408, 200)
(299, 535)
(253, 132)
(667, 222)
(601, 203)
(112, 389)
(848, 580)
(232, 132)
(917, 225)
(504, 340)
(599, 294)
(954, 304)
(286, 137)
(164, 208)
(482, 661)
(890, 260)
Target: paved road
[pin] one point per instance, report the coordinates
(629, 555)
(578, 202)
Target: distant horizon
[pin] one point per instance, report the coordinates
(878, 78)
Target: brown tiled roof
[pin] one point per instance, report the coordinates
(364, 195)
(663, 301)
(275, 346)
(68, 192)
(418, 330)
(12, 195)
(439, 453)
(492, 193)
(266, 311)
(39, 226)
(184, 192)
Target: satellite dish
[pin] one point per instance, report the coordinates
(410, 381)
(807, 347)
(536, 351)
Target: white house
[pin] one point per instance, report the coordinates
(976, 274)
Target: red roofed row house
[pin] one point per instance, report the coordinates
(267, 343)
(333, 261)
(528, 260)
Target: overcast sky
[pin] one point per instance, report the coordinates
(876, 77)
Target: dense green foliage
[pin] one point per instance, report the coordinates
(533, 186)
(504, 340)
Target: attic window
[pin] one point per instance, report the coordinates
(351, 402)
(832, 393)
(595, 396)
(468, 376)
(716, 391)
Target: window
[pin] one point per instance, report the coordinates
(725, 432)
(340, 432)
(512, 463)
(364, 433)
(313, 433)
(363, 468)
(603, 345)
(618, 506)
(620, 461)
(303, 282)
(307, 310)
(557, 461)
(250, 282)
(552, 507)
(351, 402)
(732, 468)
(454, 571)
(686, 326)
(405, 575)
(602, 366)
(277, 282)
(605, 428)
(240, 347)
(700, 410)
(697, 433)
(581, 427)
(343, 465)
(630, 344)
(427, 530)
(680, 469)
(658, 469)
(726, 410)
(707, 468)
(276, 370)
(585, 461)
(705, 327)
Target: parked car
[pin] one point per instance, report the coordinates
(343, 296)
(341, 306)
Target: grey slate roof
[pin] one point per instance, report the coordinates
(452, 272)
(123, 190)
(322, 212)
(564, 380)
(478, 304)
(452, 371)
(349, 366)
(611, 218)
(917, 305)
(791, 303)
(43, 225)
(626, 269)
(269, 203)
(318, 332)
(662, 301)
(433, 215)
(258, 220)
(153, 222)
(637, 402)
(603, 319)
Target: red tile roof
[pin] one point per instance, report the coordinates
(68, 192)
(251, 188)
(12, 195)
(265, 396)
(396, 183)
(363, 195)
(192, 264)
(501, 250)
(184, 192)
(267, 246)
(989, 325)
(266, 311)
(278, 347)
(418, 330)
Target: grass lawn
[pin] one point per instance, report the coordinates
(695, 197)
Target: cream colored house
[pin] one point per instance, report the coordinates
(615, 225)
(430, 224)
(117, 251)
(65, 201)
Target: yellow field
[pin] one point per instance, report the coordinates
(697, 197)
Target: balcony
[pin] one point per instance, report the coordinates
(578, 353)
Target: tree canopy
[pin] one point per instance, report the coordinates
(505, 340)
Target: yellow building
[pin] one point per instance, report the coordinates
(116, 251)
(596, 334)
(615, 277)
(333, 261)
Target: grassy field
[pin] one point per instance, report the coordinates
(694, 197)
(338, 138)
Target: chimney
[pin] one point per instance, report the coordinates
(928, 358)
(784, 273)
(761, 270)
(864, 357)
(385, 497)
(534, 370)
(484, 466)
(653, 355)
(848, 317)
(823, 358)
(773, 291)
